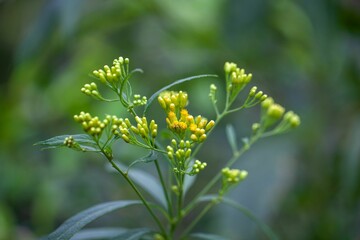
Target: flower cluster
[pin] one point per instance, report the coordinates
(115, 73)
(179, 155)
(236, 79)
(179, 121)
(91, 90)
(69, 141)
(139, 101)
(129, 132)
(231, 177)
(91, 125)
(272, 113)
(197, 167)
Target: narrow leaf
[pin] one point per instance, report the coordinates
(71, 226)
(152, 98)
(147, 182)
(231, 137)
(98, 233)
(152, 156)
(265, 228)
(207, 236)
(84, 141)
(133, 234)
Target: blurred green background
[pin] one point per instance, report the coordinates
(306, 54)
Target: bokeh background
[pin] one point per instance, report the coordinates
(304, 53)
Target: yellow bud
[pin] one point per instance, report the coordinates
(127, 122)
(134, 129)
(202, 138)
(125, 138)
(210, 125)
(194, 137)
(162, 102)
(154, 133)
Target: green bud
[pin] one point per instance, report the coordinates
(267, 103)
(275, 111)
(252, 91)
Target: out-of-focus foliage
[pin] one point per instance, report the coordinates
(306, 54)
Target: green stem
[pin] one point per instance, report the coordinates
(164, 188)
(110, 159)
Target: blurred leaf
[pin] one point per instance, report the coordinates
(84, 141)
(268, 232)
(133, 234)
(151, 99)
(147, 182)
(207, 236)
(231, 137)
(111, 233)
(188, 182)
(70, 227)
(98, 233)
(152, 156)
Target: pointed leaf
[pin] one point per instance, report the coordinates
(266, 229)
(207, 236)
(152, 156)
(98, 233)
(231, 137)
(147, 182)
(152, 98)
(84, 141)
(71, 226)
(133, 234)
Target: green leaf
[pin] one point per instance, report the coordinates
(98, 233)
(152, 156)
(152, 98)
(266, 229)
(147, 182)
(71, 226)
(207, 236)
(231, 137)
(84, 141)
(133, 234)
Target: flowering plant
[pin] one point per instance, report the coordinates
(174, 158)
